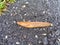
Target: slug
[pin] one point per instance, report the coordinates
(34, 24)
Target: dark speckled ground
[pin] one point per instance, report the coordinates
(30, 10)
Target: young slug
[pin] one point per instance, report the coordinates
(34, 24)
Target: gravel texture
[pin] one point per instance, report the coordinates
(30, 10)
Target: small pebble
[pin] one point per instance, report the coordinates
(50, 27)
(23, 6)
(36, 36)
(6, 37)
(16, 7)
(24, 36)
(39, 42)
(21, 17)
(14, 21)
(7, 23)
(26, 2)
(59, 39)
(44, 12)
(45, 41)
(45, 19)
(17, 42)
(13, 7)
(57, 23)
(44, 29)
(24, 20)
(19, 27)
(44, 34)
(25, 14)
(47, 0)
(11, 14)
(18, 1)
(29, 20)
(51, 24)
(41, 29)
(29, 44)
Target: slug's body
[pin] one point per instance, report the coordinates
(34, 24)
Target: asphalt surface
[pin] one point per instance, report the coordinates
(30, 10)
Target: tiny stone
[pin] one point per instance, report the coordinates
(41, 29)
(44, 29)
(57, 23)
(6, 22)
(59, 39)
(29, 44)
(51, 24)
(48, 10)
(44, 34)
(11, 14)
(6, 37)
(23, 6)
(45, 19)
(24, 20)
(15, 13)
(50, 27)
(2, 14)
(24, 36)
(43, 12)
(29, 20)
(18, 1)
(33, 12)
(14, 21)
(36, 36)
(21, 17)
(25, 14)
(13, 7)
(26, 2)
(49, 13)
(19, 27)
(45, 41)
(47, 0)
(39, 41)
(49, 34)
(17, 42)
(16, 7)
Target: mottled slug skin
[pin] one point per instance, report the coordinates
(34, 24)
